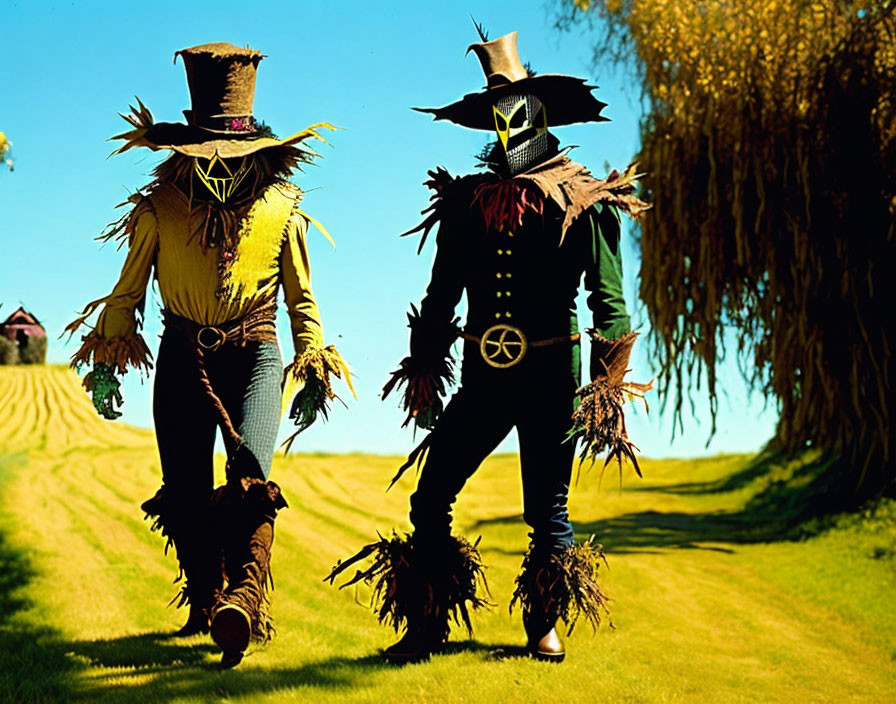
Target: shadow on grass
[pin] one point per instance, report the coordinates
(33, 662)
(791, 495)
(759, 467)
(37, 665)
(206, 681)
(142, 650)
(190, 678)
(153, 667)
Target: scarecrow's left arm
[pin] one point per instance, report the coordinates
(115, 343)
(598, 419)
(308, 376)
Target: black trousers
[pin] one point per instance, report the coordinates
(536, 397)
(246, 379)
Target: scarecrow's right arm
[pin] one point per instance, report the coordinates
(428, 370)
(435, 327)
(115, 343)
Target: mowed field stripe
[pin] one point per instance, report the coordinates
(44, 408)
(12, 389)
(22, 411)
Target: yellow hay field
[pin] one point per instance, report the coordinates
(707, 607)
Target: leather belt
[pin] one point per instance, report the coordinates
(503, 346)
(257, 326)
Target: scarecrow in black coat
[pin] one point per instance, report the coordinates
(518, 238)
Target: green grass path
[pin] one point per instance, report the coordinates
(709, 603)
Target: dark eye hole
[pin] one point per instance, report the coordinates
(220, 171)
(500, 122)
(518, 119)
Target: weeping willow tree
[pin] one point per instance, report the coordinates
(768, 139)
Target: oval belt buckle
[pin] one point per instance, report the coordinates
(503, 346)
(219, 337)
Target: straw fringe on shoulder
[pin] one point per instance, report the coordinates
(446, 189)
(504, 201)
(572, 187)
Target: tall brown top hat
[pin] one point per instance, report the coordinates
(567, 99)
(221, 79)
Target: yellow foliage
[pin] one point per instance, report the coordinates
(5, 149)
(769, 139)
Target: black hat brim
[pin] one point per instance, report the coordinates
(568, 100)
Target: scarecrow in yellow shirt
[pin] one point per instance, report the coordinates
(223, 231)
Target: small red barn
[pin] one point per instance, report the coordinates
(23, 339)
(20, 326)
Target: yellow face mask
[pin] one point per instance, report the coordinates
(221, 178)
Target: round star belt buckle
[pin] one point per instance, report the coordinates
(503, 346)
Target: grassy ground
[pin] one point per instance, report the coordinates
(712, 600)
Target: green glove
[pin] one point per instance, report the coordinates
(103, 387)
(311, 400)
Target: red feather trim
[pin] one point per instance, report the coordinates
(504, 203)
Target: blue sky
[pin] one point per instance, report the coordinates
(69, 68)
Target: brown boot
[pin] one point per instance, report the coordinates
(204, 577)
(231, 629)
(198, 621)
(246, 512)
(187, 526)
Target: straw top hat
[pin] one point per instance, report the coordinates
(567, 99)
(221, 80)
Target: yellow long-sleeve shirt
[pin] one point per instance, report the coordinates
(270, 251)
